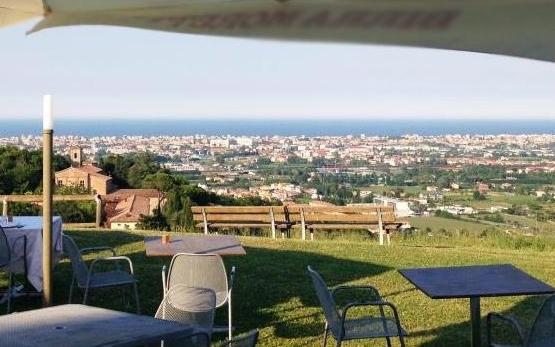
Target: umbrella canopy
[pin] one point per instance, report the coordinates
(522, 28)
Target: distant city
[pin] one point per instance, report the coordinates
(294, 168)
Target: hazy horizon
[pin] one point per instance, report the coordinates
(107, 72)
(284, 127)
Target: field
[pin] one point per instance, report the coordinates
(491, 199)
(273, 292)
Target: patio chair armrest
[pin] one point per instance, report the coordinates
(509, 320)
(98, 249)
(114, 259)
(380, 303)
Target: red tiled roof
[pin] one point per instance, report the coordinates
(125, 193)
(130, 209)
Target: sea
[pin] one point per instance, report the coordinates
(284, 127)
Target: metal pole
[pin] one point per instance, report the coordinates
(47, 153)
(47, 216)
(475, 321)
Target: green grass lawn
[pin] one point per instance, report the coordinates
(436, 223)
(492, 199)
(273, 292)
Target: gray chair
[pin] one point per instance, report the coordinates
(6, 259)
(88, 278)
(202, 271)
(190, 306)
(247, 340)
(542, 333)
(343, 328)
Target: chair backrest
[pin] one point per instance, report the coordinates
(543, 329)
(189, 305)
(5, 254)
(80, 269)
(326, 301)
(201, 271)
(247, 340)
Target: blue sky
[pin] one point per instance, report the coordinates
(119, 72)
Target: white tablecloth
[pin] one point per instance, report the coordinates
(32, 229)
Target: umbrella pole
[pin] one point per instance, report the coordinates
(47, 138)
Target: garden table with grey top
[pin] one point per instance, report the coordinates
(85, 326)
(224, 245)
(474, 282)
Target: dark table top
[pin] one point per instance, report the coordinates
(475, 281)
(85, 326)
(198, 244)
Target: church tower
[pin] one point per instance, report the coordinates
(76, 156)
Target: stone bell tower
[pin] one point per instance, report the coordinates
(76, 156)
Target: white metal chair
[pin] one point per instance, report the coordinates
(542, 333)
(88, 278)
(344, 328)
(191, 306)
(202, 271)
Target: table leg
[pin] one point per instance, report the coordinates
(475, 321)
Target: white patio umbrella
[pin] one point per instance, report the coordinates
(522, 28)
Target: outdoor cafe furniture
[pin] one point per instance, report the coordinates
(542, 333)
(224, 245)
(474, 282)
(88, 278)
(202, 271)
(86, 326)
(30, 256)
(192, 306)
(343, 328)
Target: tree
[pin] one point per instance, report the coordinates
(21, 170)
(157, 221)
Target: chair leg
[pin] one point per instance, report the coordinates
(71, 290)
(401, 340)
(137, 302)
(85, 296)
(229, 323)
(325, 335)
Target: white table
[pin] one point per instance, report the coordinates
(32, 230)
(85, 326)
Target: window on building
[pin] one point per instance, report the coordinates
(74, 155)
(82, 183)
(60, 182)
